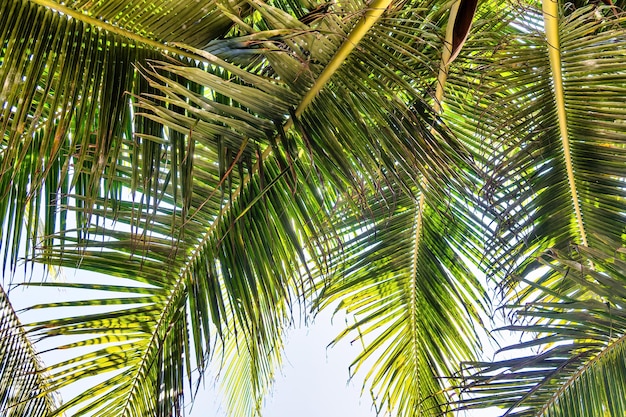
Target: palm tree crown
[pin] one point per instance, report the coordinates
(231, 164)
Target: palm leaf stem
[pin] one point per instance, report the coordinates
(551, 24)
(419, 217)
(415, 324)
(446, 53)
(171, 298)
(371, 16)
(74, 14)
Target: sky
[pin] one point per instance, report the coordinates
(313, 381)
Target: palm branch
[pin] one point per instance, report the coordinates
(24, 388)
(576, 326)
(161, 197)
(404, 272)
(68, 72)
(543, 114)
(412, 294)
(551, 80)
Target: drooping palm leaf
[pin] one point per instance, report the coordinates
(555, 159)
(247, 370)
(24, 390)
(406, 275)
(412, 296)
(577, 325)
(214, 281)
(155, 352)
(66, 72)
(553, 155)
(407, 121)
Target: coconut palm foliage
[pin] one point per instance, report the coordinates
(560, 183)
(228, 163)
(407, 320)
(550, 125)
(575, 315)
(20, 380)
(215, 184)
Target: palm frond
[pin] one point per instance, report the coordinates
(66, 75)
(247, 370)
(577, 325)
(413, 298)
(213, 192)
(200, 187)
(407, 277)
(67, 130)
(225, 276)
(548, 153)
(162, 21)
(24, 389)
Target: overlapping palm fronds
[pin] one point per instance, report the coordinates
(170, 210)
(67, 72)
(574, 323)
(213, 195)
(208, 154)
(552, 124)
(233, 159)
(404, 269)
(553, 145)
(406, 281)
(346, 131)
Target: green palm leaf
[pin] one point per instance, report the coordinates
(25, 389)
(215, 281)
(67, 70)
(551, 145)
(553, 179)
(406, 276)
(414, 300)
(576, 322)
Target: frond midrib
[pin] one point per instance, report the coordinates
(153, 339)
(423, 184)
(373, 12)
(414, 302)
(551, 22)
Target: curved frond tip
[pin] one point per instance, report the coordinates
(577, 324)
